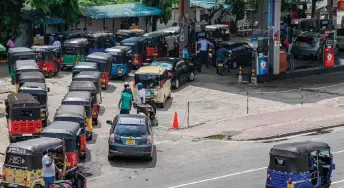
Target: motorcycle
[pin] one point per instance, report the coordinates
(149, 108)
(224, 65)
(74, 179)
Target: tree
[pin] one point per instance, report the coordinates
(89, 3)
(42, 5)
(68, 10)
(165, 6)
(212, 11)
(10, 19)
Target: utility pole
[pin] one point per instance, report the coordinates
(184, 9)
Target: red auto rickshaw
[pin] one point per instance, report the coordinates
(156, 45)
(69, 132)
(23, 113)
(104, 62)
(49, 59)
(138, 48)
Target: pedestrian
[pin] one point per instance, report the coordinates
(141, 96)
(286, 43)
(49, 168)
(220, 56)
(125, 102)
(186, 52)
(10, 43)
(204, 50)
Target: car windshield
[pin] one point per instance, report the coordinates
(166, 64)
(147, 79)
(307, 40)
(131, 130)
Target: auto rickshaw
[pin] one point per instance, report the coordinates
(89, 86)
(20, 53)
(77, 114)
(23, 116)
(49, 59)
(70, 34)
(156, 45)
(121, 56)
(69, 132)
(138, 46)
(40, 92)
(99, 41)
(104, 62)
(300, 164)
(92, 76)
(84, 66)
(29, 77)
(3, 54)
(24, 66)
(74, 51)
(84, 99)
(23, 162)
(219, 32)
(125, 33)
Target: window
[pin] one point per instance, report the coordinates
(180, 65)
(131, 130)
(247, 47)
(280, 162)
(26, 113)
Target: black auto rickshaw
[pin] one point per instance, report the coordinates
(15, 54)
(23, 116)
(156, 45)
(138, 50)
(84, 66)
(125, 33)
(40, 92)
(29, 77)
(89, 86)
(122, 61)
(70, 34)
(23, 162)
(74, 51)
(82, 98)
(104, 62)
(24, 66)
(49, 59)
(300, 164)
(219, 32)
(99, 41)
(69, 132)
(77, 114)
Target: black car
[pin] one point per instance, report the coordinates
(179, 70)
(241, 53)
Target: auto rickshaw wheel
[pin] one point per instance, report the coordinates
(104, 87)
(82, 156)
(124, 77)
(95, 121)
(12, 81)
(38, 186)
(12, 139)
(50, 74)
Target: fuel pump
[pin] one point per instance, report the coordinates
(262, 54)
(329, 48)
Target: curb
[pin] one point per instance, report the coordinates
(289, 134)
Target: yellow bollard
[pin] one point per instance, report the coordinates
(253, 73)
(240, 70)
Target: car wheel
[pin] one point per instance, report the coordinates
(176, 83)
(192, 76)
(150, 158)
(319, 54)
(234, 65)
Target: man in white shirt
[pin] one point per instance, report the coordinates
(204, 50)
(141, 94)
(48, 169)
(170, 45)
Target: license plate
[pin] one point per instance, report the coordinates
(27, 134)
(119, 71)
(44, 68)
(290, 186)
(130, 141)
(220, 65)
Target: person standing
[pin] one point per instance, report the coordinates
(10, 43)
(49, 168)
(51, 39)
(125, 102)
(204, 50)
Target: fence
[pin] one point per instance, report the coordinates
(199, 111)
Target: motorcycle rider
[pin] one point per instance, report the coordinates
(220, 56)
(141, 95)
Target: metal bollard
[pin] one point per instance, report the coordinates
(253, 77)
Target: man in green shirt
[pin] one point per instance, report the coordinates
(125, 102)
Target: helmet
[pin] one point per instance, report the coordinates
(126, 84)
(139, 86)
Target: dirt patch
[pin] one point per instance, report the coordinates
(223, 136)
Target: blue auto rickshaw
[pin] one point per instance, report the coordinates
(305, 164)
(99, 41)
(122, 60)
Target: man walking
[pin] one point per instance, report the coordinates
(125, 102)
(49, 168)
(204, 50)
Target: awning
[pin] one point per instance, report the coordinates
(120, 11)
(40, 18)
(208, 4)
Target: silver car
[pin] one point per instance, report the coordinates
(131, 135)
(307, 44)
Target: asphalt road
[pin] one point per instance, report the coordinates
(203, 164)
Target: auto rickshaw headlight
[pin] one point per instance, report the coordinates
(4, 176)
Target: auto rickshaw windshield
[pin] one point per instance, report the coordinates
(29, 162)
(147, 80)
(72, 50)
(25, 113)
(45, 56)
(289, 165)
(40, 95)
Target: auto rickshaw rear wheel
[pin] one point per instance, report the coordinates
(38, 186)
(95, 121)
(104, 87)
(82, 156)
(12, 81)
(12, 139)
(124, 77)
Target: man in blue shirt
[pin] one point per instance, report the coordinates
(220, 56)
(204, 50)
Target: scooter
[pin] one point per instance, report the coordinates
(149, 108)
(74, 179)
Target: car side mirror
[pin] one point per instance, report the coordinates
(109, 122)
(48, 89)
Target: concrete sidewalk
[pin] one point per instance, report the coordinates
(271, 125)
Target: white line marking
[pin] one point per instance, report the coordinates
(239, 173)
(219, 177)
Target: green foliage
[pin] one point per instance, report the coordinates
(89, 3)
(165, 6)
(238, 9)
(42, 5)
(127, 1)
(67, 10)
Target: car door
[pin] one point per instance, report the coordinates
(237, 52)
(247, 53)
(181, 70)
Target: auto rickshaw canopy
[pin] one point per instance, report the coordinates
(31, 77)
(26, 65)
(172, 30)
(62, 36)
(62, 129)
(125, 33)
(93, 76)
(25, 53)
(35, 86)
(297, 149)
(35, 147)
(118, 50)
(83, 86)
(76, 43)
(46, 48)
(75, 111)
(78, 96)
(103, 60)
(22, 100)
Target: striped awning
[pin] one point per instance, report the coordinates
(208, 4)
(120, 11)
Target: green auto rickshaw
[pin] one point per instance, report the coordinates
(20, 53)
(74, 51)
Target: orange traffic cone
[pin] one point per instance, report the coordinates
(175, 124)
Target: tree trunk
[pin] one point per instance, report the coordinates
(314, 4)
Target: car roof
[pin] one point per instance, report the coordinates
(82, 86)
(150, 70)
(70, 109)
(28, 75)
(34, 86)
(20, 49)
(77, 96)
(62, 127)
(99, 55)
(75, 42)
(87, 74)
(172, 30)
(131, 119)
(297, 149)
(216, 26)
(22, 99)
(38, 145)
(132, 40)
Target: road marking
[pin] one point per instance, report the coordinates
(219, 177)
(239, 173)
